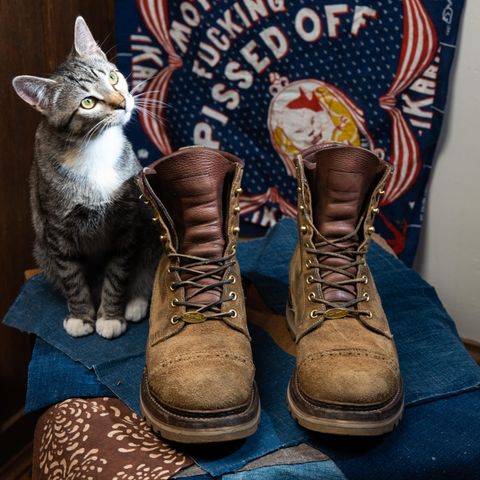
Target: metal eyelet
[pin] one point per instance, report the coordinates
(381, 192)
(365, 279)
(175, 319)
(369, 314)
(172, 288)
(236, 209)
(371, 230)
(308, 245)
(239, 190)
(169, 270)
(366, 296)
(304, 229)
(233, 249)
(364, 263)
(375, 210)
(143, 199)
(311, 296)
(233, 313)
(233, 295)
(174, 302)
(232, 279)
(155, 219)
(163, 238)
(301, 208)
(309, 279)
(314, 314)
(235, 229)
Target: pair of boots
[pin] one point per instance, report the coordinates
(198, 385)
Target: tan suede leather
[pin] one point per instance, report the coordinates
(347, 378)
(199, 379)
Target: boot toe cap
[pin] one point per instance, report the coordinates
(348, 378)
(203, 382)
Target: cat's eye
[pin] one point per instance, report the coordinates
(88, 103)
(113, 78)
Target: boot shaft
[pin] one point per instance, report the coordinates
(339, 188)
(194, 193)
(191, 193)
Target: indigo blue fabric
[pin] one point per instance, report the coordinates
(123, 377)
(434, 441)
(52, 376)
(433, 361)
(325, 470)
(39, 309)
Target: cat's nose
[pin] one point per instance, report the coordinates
(121, 106)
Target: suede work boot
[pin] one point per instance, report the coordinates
(347, 379)
(198, 385)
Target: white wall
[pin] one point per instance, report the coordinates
(449, 253)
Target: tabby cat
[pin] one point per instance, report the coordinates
(94, 238)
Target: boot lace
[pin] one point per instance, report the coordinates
(346, 249)
(189, 265)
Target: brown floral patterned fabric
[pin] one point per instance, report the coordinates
(100, 438)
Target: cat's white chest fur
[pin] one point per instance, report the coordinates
(97, 163)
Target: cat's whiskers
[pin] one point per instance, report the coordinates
(91, 132)
(151, 114)
(151, 100)
(138, 95)
(154, 106)
(136, 87)
(110, 49)
(88, 137)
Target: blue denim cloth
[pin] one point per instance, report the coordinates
(435, 441)
(433, 361)
(52, 375)
(326, 470)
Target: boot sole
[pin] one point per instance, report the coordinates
(360, 423)
(205, 427)
(335, 420)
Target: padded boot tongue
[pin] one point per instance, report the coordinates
(340, 179)
(192, 190)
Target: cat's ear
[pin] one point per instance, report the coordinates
(36, 91)
(84, 43)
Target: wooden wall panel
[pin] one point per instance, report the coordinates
(22, 52)
(35, 36)
(59, 18)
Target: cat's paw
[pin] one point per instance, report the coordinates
(110, 327)
(136, 309)
(76, 327)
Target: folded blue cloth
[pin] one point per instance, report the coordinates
(433, 360)
(437, 440)
(52, 376)
(326, 470)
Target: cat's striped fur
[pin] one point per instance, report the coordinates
(94, 239)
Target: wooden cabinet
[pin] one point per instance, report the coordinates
(35, 36)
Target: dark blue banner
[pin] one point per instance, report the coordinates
(265, 79)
